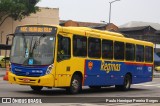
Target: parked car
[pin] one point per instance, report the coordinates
(157, 68)
(4, 59)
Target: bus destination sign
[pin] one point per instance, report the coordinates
(35, 29)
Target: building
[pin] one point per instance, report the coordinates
(146, 33)
(100, 26)
(44, 16)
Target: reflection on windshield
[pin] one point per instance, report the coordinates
(32, 49)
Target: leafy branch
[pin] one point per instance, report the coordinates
(17, 9)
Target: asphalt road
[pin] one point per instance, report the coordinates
(150, 89)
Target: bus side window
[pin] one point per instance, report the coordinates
(64, 50)
(139, 53)
(107, 49)
(130, 52)
(148, 54)
(118, 50)
(79, 46)
(94, 47)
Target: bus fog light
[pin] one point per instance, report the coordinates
(49, 69)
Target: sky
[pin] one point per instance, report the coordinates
(122, 11)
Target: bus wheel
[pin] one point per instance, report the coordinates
(126, 84)
(75, 86)
(36, 88)
(95, 87)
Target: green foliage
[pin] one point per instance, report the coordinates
(17, 9)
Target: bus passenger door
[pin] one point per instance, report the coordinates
(63, 64)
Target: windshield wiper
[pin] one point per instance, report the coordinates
(25, 46)
(36, 43)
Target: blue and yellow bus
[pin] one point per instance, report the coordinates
(72, 57)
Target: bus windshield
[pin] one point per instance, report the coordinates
(33, 49)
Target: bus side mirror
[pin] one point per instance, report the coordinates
(7, 40)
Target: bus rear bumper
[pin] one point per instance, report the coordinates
(47, 80)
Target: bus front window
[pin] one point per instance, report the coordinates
(33, 49)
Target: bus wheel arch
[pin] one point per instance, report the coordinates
(76, 83)
(126, 83)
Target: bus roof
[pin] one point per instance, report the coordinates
(104, 34)
(85, 31)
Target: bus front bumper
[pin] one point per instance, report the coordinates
(47, 80)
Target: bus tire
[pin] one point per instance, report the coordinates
(126, 84)
(95, 87)
(36, 88)
(75, 86)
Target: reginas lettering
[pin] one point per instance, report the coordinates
(110, 67)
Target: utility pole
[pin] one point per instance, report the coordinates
(110, 7)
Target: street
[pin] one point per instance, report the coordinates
(149, 89)
(110, 46)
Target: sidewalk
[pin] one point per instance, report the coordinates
(3, 72)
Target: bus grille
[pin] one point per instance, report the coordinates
(29, 71)
(29, 74)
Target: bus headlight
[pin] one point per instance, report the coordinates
(49, 69)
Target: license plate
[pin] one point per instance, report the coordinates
(26, 80)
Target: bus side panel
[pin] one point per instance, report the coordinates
(65, 70)
(99, 73)
(140, 72)
(148, 72)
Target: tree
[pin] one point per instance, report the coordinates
(17, 9)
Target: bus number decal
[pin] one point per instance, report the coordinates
(149, 69)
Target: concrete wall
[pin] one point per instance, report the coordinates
(44, 16)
